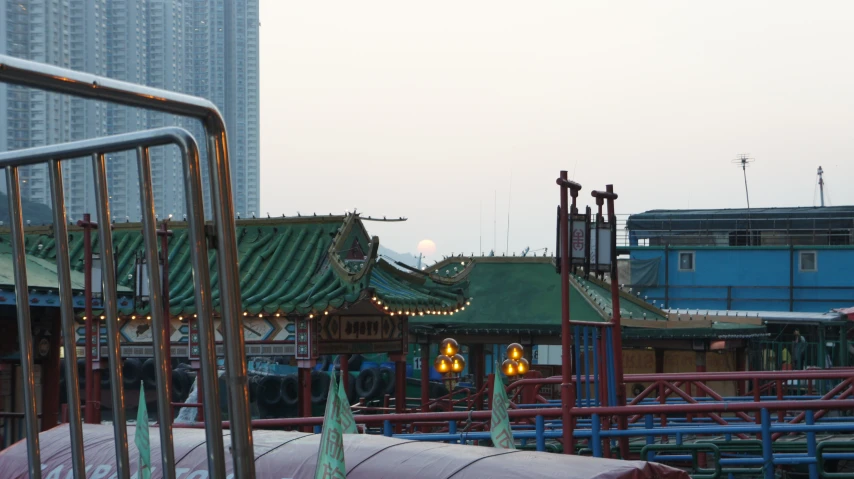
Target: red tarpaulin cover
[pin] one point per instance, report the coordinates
(283, 454)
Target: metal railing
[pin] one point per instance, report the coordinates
(709, 231)
(59, 80)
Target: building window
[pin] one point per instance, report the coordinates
(686, 261)
(808, 261)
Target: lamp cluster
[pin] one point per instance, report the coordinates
(515, 364)
(449, 360)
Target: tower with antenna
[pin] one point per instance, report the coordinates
(821, 185)
(743, 161)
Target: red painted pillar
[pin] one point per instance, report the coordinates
(740, 365)
(399, 386)
(566, 187)
(479, 370)
(425, 377)
(304, 375)
(701, 368)
(50, 377)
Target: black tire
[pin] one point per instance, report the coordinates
(388, 379)
(355, 362)
(180, 385)
(184, 366)
(149, 374)
(105, 379)
(324, 362)
(270, 390)
(254, 384)
(131, 373)
(290, 390)
(319, 387)
(369, 383)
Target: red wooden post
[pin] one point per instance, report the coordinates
(479, 369)
(425, 377)
(50, 378)
(305, 394)
(399, 387)
(617, 335)
(566, 188)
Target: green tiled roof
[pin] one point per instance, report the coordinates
(718, 330)
(523, 294)
(287, 265)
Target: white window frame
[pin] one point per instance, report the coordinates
(693, 262)
(801, 268)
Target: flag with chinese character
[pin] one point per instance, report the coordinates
(141, 437)
(330, 454)
(499, 425)
(348, 424)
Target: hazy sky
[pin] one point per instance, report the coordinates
(427, 109)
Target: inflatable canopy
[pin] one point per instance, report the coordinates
(283, 454)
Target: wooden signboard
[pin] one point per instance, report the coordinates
(362, 334)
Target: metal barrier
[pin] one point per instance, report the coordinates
(59, 80)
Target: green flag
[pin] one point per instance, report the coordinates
(348, 424)
(499, 426)
(141, 437)
(330, 455)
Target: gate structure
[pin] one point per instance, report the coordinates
(59, 80)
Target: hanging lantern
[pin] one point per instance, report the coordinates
(458, 363)
(442, 364)
(449, 347)
(524, 367)
(509, 367)
(515, 351)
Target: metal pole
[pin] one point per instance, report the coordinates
(159, 321)
(566, 332)
(236, 375)
(108, 274)
(25, 329)
(91, 402)
(208, 382)
(164, 233)
(66, 305)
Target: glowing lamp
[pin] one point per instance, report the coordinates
(442, 364)
(458, 363)
(515, 351)
(524, 367)
(509, 367)
(449, 347)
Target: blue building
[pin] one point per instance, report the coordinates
(771, 259)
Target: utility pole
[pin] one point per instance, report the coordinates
(821, 185)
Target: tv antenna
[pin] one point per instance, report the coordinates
(821, 184)
(744, 160)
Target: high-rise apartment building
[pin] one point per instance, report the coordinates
(178, 45)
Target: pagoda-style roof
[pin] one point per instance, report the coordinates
(522, 294)
(299, 265)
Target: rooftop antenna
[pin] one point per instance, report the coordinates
(744, 160)
(509, 203)
(495, 221)
(481, 228)
(821, 185)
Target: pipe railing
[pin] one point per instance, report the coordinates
(65, 81)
